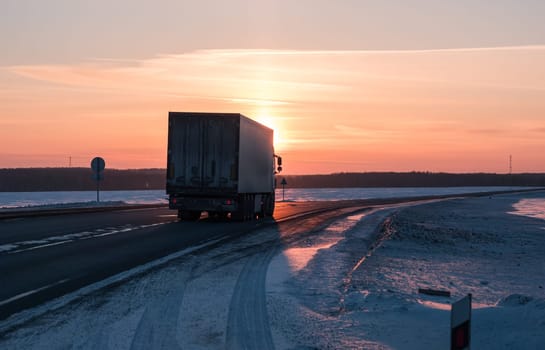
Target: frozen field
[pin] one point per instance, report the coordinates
(351, 285)
(31, 199)
(492, 247)
(26, 199)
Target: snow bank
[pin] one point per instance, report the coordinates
(90, 204)
(346, 297)
(63, 199)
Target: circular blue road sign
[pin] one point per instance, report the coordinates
(98, 164)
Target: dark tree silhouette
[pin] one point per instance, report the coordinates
(80, 179)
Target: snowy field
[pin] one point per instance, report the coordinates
(353, 284)
(320, 194)
(30, 199)
(65, 198)
(491, 247)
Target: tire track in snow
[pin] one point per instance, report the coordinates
(158, 326)
(248, 323)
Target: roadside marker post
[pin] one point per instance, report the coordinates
(460, 324)
(97, 166)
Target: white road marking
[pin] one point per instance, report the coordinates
(34, 291)
(39, 247)
(23, 246)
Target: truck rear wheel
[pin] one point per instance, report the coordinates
(269, 205)
(238, 215)
(245, 208)
(251, 207)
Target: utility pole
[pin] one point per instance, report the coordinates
(510, 164)
(70, 161)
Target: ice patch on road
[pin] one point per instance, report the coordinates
(293, 260)
(298, 258)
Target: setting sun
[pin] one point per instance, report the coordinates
(334, 105)
(276, 125)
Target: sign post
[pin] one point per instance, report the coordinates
(460, 324)
(284, 183)
(97, 165)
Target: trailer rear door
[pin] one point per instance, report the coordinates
(203, 153)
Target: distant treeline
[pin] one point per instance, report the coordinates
(80, 179)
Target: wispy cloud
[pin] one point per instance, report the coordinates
(400, 101)
(259, 102)
(311, 71)
(489, 131)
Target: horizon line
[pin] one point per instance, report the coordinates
(310, 174)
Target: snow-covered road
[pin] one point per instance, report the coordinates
(336, 280)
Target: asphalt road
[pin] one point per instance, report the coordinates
(44, 257)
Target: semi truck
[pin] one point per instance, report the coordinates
(220, 163)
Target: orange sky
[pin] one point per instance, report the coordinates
(458, 110)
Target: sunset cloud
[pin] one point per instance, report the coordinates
(461, 100)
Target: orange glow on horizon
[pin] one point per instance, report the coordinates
(331, 111)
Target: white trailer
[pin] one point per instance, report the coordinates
(221, 163)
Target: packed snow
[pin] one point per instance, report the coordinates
(491, 247)
(320, 194)
(351, 285)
